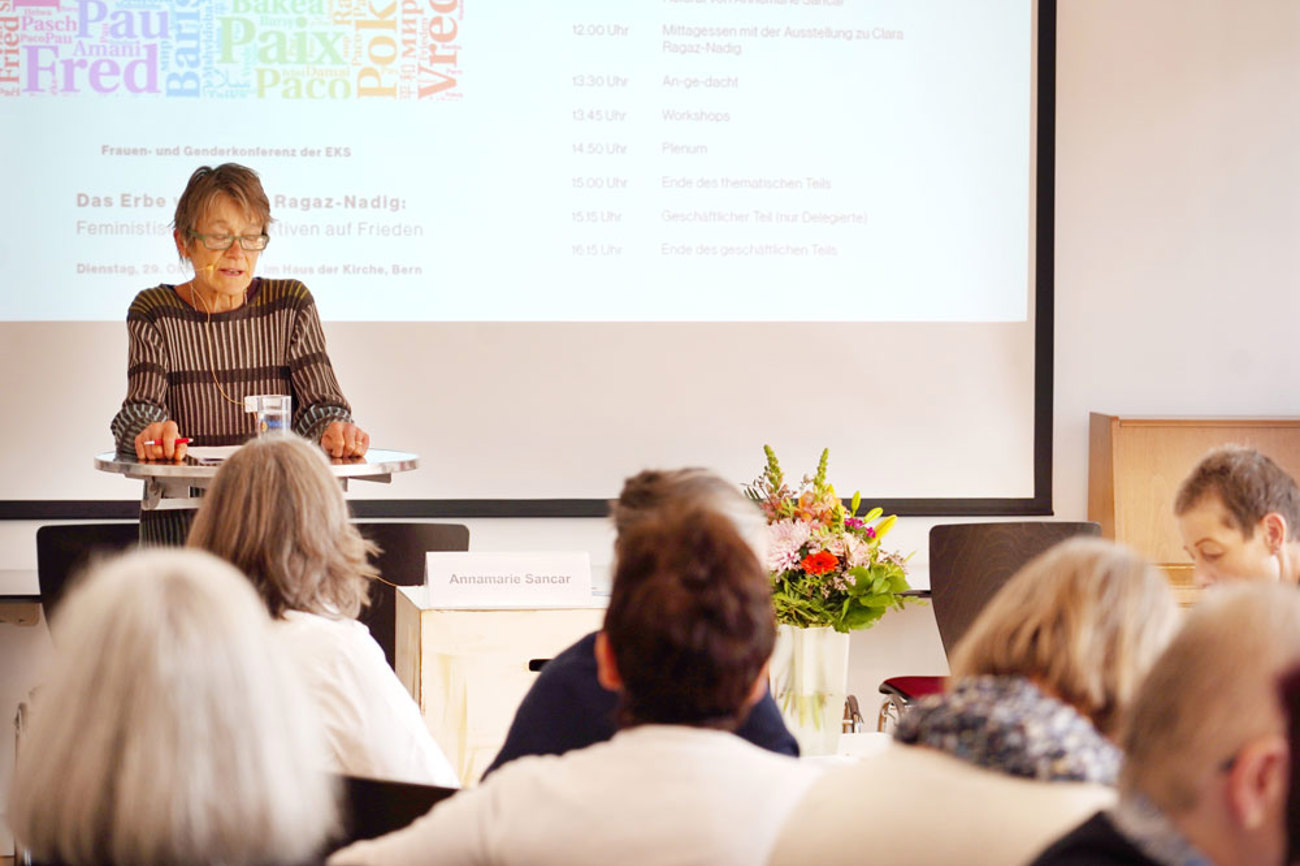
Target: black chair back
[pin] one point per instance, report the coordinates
(402, 562)
(969, 563)
(373, 807)
(64, 550)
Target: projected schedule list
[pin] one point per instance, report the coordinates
(631, 166)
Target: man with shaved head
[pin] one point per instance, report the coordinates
(1207, 761)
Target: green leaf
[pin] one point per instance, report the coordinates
(861, 617)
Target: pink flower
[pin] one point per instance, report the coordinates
(785, 538)
(825, 540)
(856, 552)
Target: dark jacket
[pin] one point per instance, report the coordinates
(568, 709)
(1095, 842)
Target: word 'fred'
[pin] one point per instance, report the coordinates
(47, 70)
(98, 66)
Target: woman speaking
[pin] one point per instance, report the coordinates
(198, 348)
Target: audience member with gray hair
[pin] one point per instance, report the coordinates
(276, 512)
(1019, 749)
(171, 730)
(1207, 761)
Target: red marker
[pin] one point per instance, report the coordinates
(184, 441)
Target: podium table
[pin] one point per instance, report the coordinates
(168, 486)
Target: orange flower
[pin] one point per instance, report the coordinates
(819, 563)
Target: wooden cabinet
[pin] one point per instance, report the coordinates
(1136, 464)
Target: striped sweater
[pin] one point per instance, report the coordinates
(273, 344)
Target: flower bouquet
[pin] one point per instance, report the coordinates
(826, 564)
(829, 577)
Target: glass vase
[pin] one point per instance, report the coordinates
(809, 675)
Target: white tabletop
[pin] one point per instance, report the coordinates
(376, 462)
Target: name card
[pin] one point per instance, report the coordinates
(474, 581)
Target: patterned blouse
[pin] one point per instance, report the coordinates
(1006, 723)
(272, 344)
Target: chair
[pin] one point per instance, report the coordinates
(64, 550)
(373, 807)
(969, 563)
(402, 562)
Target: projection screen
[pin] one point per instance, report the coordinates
(555, 243)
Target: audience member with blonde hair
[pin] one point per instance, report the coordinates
(686, 641)
(1207, 761)
(1239, 516)
(275, 511)
(171, 730)
(1020, 747)
(567, 708)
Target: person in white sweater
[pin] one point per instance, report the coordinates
(1019, 749)
(685, 643)
(275, 511)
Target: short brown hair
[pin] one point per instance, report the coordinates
(1086, 619)
(240, 183)
(277, 513)
(690, 621)
(1248, 483)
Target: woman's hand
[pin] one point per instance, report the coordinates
(164, 434)
(341, 439)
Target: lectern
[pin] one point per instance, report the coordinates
(169, 485)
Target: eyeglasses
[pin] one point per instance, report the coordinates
(223, 241)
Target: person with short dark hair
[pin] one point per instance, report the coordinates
(1239, 516)
(567, 708)
(197, 349)
(686, 641)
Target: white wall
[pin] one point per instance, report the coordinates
(1178, 215)
(1177, 263)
